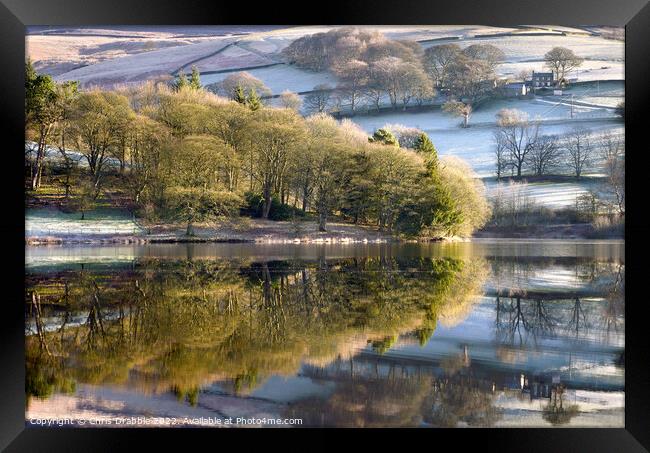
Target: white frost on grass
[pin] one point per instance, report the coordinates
(281, 77)
(144, 66)
(231, 58)
(476, 143)
(533, 48)
(589, 70)
(548, 194)
(604, 56)
(52, 154)
(41, 222)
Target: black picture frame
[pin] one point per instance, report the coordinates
(633, 14)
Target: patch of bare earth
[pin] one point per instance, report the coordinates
(265, 231)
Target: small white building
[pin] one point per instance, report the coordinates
(515, 89)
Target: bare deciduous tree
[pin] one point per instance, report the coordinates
(579, 150)
(501, 155)
(290, 100)
(544, 154)
(525, 74)
(613, 155)
(245, 80)
(437, 60)
(561, 60)
(470, 79)
(319, 99)
(488, 53)
(354, 77)
(459, 109)
(518, 135)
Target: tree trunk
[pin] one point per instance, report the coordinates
(40, 157)
(322, 220)
(36, 174)
(267, 206)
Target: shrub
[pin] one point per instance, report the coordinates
(279, 211)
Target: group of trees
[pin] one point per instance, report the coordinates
(194, 82)
(522, 149)
(372, 68)
(182, 152)
(186, 318)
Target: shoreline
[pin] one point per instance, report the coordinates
(258, 231)
(248, 231)
(44, 241)
(345, 234)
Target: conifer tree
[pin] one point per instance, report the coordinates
(424, 145)
(253, 101)
(238, 95)
(181, 82)
(195, 79)
(384, 137)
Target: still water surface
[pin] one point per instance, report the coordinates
(487, 333)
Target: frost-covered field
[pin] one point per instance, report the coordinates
(125, 54)
(52, 154)
(550, 194)
(138, 53)
(590, 70)
(52, 222)
(533, 48)
(232, 57)
(143, 66)
(281, 77)
(476, 143)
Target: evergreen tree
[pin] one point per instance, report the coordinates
(238, 95)
(424, 145)
(195, 79)
(181, 82)
(30, 72)
(254, 102)
(384, 137)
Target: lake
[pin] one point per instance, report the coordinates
(479, 334)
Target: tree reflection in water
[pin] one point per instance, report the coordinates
(177, 326)
(524, 316)
(163, 325)
(557, 412)
(399, 396)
